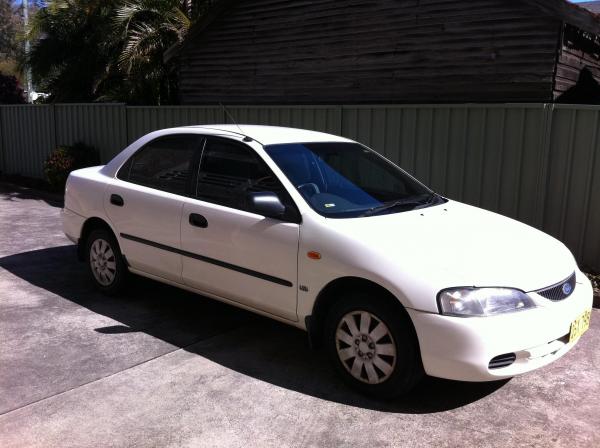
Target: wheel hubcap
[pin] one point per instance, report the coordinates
(103, 262)
(365, 347)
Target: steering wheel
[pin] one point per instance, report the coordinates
(309, 185)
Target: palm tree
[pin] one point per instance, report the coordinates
(149, 28)
(9, 26)
(74, 46)
(109, 50)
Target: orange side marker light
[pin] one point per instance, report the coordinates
(313, 255)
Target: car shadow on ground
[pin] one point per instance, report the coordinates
(12, 192)
(247, 343)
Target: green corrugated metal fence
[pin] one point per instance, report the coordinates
(488, 155)
(101, 125)
(142, 119)
(28, 135)
(317, 118)
(538, 163)
(572, 188)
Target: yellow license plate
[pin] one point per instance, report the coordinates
(580, 326)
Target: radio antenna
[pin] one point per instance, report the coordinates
(234, 122)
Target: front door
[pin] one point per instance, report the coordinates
(230, 251)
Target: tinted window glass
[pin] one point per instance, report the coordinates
(164, 164)
(228, 171)
(346, 179)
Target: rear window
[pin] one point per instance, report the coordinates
(165, 164)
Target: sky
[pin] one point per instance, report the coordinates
(18, 2)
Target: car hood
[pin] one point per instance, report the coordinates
(465, 245)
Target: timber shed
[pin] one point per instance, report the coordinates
(591, 6)
(391, 51)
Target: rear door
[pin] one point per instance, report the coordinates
(230, 251)
(145, 203)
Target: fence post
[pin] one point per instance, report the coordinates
(545, 143)
(55, 125)
(126, 119)
(2, 167)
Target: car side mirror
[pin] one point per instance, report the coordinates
(266, 203)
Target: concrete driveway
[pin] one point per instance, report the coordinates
(161, 367)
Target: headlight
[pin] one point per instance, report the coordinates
(469, 302)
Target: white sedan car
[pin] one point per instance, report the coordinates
(322, 233)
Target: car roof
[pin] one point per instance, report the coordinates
(271, 135)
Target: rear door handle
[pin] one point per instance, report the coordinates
(117, 200)
(197, 220)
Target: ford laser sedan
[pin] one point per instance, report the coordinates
(320, 232)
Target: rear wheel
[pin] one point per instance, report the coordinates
(105, 262)
(373, 345)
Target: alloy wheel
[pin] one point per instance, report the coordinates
(103, 262)
(365, 347)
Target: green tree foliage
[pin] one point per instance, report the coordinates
(9, 26)
(150, 27)
(103, 50)
(10, 29)
(73, 49)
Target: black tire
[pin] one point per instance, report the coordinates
(100, 278)
(406, 367)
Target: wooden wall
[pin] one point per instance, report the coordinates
(573, 56)
(372, 51)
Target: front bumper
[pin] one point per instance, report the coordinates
(461, 348)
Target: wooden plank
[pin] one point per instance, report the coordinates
(360, 51)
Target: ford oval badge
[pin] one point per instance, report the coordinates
(566, 289)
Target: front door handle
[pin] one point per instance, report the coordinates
(197, 220)
(117, 200)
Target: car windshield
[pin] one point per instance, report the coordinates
(345, 180)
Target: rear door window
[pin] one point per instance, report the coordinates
(165, 164)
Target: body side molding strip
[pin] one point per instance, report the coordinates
(220, 263)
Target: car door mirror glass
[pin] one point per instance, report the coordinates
(266, 203)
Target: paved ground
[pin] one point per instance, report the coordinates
(161, 367)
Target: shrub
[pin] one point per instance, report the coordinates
(595, 279)
(10, 90)
(65, 159)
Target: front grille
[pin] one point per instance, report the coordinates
(502, 361)
(560, 291)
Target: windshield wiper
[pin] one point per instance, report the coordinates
(409, 202)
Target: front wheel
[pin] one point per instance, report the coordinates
(373, 345)
(105, 262)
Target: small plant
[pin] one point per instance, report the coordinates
(10, 90)
(65, 159)
(595, 279)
